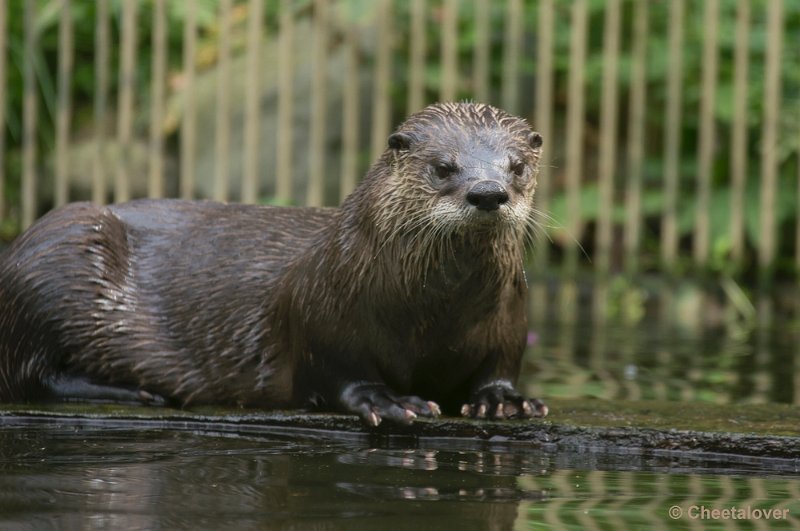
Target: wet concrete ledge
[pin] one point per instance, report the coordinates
(759, 432)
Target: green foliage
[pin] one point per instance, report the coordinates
(361, 14)
(719, 212)
(83, 16)
(657, 72)
(658, 65)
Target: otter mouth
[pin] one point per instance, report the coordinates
(489, 219)
(462, 215)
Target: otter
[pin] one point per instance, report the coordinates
(407, 300)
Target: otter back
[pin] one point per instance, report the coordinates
(413, 287)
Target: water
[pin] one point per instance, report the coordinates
(61, 476)
(682, 345)
(98, 474)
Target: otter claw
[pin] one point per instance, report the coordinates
(541, 409)
(374, 402)
(373, 419)
(527, 410)
(502, 401)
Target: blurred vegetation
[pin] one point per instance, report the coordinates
(83, 86)
(657, 69)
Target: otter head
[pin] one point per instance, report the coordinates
(470, 167)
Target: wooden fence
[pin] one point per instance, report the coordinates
(635, 131)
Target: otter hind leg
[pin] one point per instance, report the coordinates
(71, 388)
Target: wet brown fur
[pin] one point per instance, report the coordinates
(206, 303)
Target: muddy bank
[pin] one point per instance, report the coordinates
(760, 432)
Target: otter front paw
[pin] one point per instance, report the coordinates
(375, 401)
(499, 400)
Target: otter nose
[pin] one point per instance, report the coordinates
(487, 195)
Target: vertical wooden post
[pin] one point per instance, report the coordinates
(480, 52)
(636, 138)
(381, 114)
(350, 127)
(575, 128)
(283, 188)
(418, 45)
(155, 187)
(769, 138)
(189, 118)
(738, 149)
(101, 49)
(512, 50)
(707, 131)
(449, 87)
(64, 113)
(543, 121)
(127, 86)
(672, 136)
(222, 127)
(252, 114)
(29, 115)
(608, 135)
(316, 181)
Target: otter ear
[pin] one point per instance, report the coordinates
(535, 140)
(400, 141)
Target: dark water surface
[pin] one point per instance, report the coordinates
(103, 475)
(664, 344)
(61, 476)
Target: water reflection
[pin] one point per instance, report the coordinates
(679, 344)
(145, 480)
(58, 476)
(55, 476)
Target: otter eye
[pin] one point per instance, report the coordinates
(517, 167)
(445, 169)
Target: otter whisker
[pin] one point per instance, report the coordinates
(556, 225)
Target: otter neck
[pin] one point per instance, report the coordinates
(412, 266)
